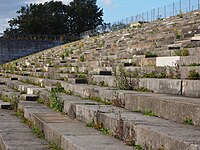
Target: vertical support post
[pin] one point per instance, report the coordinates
(158, 13)
(165, 14)
(198, 4)
(180, 7)
(173, 10)
(189, 5)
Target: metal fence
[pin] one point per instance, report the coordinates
(166, 11)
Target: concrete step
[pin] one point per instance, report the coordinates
(5, 105)
(69, 133)
(15, 135)
(135, 126)
(139, 128)
(167, 106)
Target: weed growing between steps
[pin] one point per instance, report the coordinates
(39, 133)
(55, 101)
(138, 147)
(36, 130)
(146, 113)
(188, 121)
(40, 101)
(53, 146)
(193, 75)
(103, 130)
(149, 113)
(124, 80)
(123, 130)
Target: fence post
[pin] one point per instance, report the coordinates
(165, 12)
(189, 5)
(198, 4)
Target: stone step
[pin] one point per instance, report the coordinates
(15, 135)
(77, 80)
(29, 97)
(5, 105)
(143, 130)
(69, 133)
(144, 124)
(167, 106)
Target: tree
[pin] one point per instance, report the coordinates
(56, 18)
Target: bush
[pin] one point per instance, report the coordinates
(182, 52)
(193, 75)
(149, 54)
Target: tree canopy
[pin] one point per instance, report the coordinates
(56, 18)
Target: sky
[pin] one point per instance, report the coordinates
(114, 10)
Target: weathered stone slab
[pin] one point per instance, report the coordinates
(5, 105)
(29, 97)
(14, 135)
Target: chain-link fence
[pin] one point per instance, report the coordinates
(180, 7)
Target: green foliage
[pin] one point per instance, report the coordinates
(154, 75)
(182, 52)
(149, 54)
(90, 125)
(194, 64)
(177, 34)
(98, 99)
(143, 89)
(149, 113)
(138, 147)
(123, 78)
(103, 84)
(41, 101)
(162, 75)
(55, 101)
(82, 58)
(99, 128)
(149, 75)
(188, 121)
(56, 18)
(53, 146)
(193, 75)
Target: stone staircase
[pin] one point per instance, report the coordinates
(136, 88)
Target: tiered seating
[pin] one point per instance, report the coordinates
(140, 85)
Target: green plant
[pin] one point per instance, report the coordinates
(162, 75)
(149, 75)
(38, 132)
(69, 92)
(182, 52)
(149, 54)
(53, 146)
(123, 78)
(138, 147)
(188, 121)
(177, 34)
(194, 64)
(149, 113)
(55, 101)
(143, 89)
(103, 84)
(98, 99)
(193, 75)
(41, 101)
(90, 125)
(82, 58)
